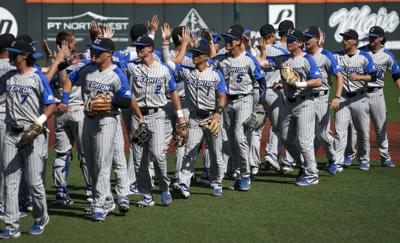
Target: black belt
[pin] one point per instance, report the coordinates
(320, 93)
(373, 89)
(303, 97)
(201, 113)
(15, 128)
(235, 97)
(148, 111)
(353, 94)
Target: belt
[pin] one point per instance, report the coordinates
(320, 93)
(202, 113)
(354, 94)
(99, 114)
(303, 97)
(373, 89)
(149, 111)
(20, 128)
(235, 97)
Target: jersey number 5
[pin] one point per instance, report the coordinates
(239, 78)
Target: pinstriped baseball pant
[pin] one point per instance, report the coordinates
(156, 149)
(196, 135)
(322, 127)
(2, 133)
(98, 146)
(236, 112)
(300, 122)
(355, 109)
(29, 162)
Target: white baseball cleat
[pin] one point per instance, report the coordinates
(273, 163)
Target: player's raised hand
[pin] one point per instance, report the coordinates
(46, 48)
(261, 48)
(95, 29)
(207, 35)
(166, 31)
(247, 42)
(186, 36)
(193, 38)
(75, 58)
(62, 53)
(153, 24)
(108, 32)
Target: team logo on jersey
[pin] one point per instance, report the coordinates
(279, 12)
(194, 21)
(8, 24)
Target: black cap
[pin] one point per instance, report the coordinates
(234, 32)
(26, 38)
(19, 46)
(103, 44)
(266, 30)
(144, 41)
(201, 48)
(138, 30)
(311, 32)
(376, 31)
(6, 40)
(351, 34)
(285, 25)
(295, 35)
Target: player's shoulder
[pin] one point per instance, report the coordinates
(327, 53)
(118, 71)
(8, 74)
(282, 50)
(339, 53)
(389, 53)
(365, 55)
(38, 73)
(308, 58)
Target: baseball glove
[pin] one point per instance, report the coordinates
(101, 103)
(212, 125)
(290, 76)
(256, 120)
(141, 135)
(30, 135)
(181, 135)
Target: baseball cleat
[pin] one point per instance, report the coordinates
(347, 160)
(364, 166)
(244, 184)
(89, 209)
(99, 216)
(166, 198)
(23, 214)
(175, 182)
(38, 229)
(63, 199)
(339, 168)
(123, 205)
(133, 190)
(388, 164)
(286, 168)
(8, 234)
(254, 170)
(332, 167)
(271, 162)
(146, 202)
(217, 191)
(307, 181)
(183, 190)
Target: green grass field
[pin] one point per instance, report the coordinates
(353, 206)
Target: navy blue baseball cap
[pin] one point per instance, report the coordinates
(102, 44)
(27, 38)
(311, 32)
(350, 34)
(200, 48)
(233, 33)
(144, 41)
(20, 46)
(295, 35)
(376, 31)
(6, 40)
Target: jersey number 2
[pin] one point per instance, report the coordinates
(158, 89)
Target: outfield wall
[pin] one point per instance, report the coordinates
(44, 18)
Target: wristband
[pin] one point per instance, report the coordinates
(65, 98)
(219, 110)
(179, 113)
(337, 97)
(42, 119)
(301, 84)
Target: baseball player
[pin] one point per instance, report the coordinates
(241, 70)
(358, 70)
(5, 66)
(29, 102)
(299, 121)
(151, 81)
(328, 66)
(99, 128)
(284, 28)
(383, 60)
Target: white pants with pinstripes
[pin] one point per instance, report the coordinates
(2, 132)
(300, 122)
(355, 109)
(322, 127)
(98, 146)
(236, 112)
(214, 143)
(29, 162)
(156, 149)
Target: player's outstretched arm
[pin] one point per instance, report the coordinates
(136, 110)
(339, 87)
(59, 58)
(178, 107)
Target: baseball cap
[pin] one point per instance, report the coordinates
(144, 41)
(19, 46)
(200, 48)
(266, 30)
(285, 25)
(102, 44)
(351, 34)
(6, 40)
(376, 31)
(27, 38)
(138, 30)
(295, 35)
(233, 33)
(311, 32)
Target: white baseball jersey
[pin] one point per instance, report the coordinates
(202, 88)
(328, 66)
(5, 66)
(383, 60)
(26, 95)
(151, 84)
(93, 82)
(360, 63)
